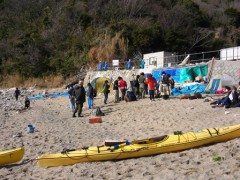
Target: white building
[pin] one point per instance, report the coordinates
(158, 60)
(232, 53)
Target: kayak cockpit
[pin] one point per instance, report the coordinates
(151, 140)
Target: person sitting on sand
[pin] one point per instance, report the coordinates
(17, 93)
(27, 103)
(230, 99)
(238, 89)
(80, 97)
(130, 96)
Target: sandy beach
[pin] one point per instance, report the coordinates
(55, 129)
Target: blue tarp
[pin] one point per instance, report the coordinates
(40, 96)
(157, 74)
(189, 90)
(181, 75)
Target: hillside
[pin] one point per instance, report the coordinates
(58, 37)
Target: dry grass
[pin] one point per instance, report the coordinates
(107, 49)
(46, 82)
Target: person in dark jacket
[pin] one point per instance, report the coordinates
(136, 84)
(106, 91)
(80, 97)
(116, 89)
(27, 103)
(17, 93)
(90, 96)
(230, 99)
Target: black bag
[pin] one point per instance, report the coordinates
(165, 97)
(94, 93)
(99, 112)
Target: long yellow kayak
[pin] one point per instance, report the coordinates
(168, 143)
(11, 156)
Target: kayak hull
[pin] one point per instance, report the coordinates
(140, 148)
(11, 156)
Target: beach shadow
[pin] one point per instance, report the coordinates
(108, 105)
(26, 161)
(109, 110)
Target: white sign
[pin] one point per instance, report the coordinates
(115, 62)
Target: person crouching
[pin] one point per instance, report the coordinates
(27, 103)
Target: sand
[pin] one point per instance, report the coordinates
(55, 129)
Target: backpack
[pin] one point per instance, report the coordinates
(165, 97)
(99, 112)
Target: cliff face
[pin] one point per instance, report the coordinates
(38, 38)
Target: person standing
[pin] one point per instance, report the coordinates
(136, 84)
(106, 66)
(100, 66)
(116, 89)
(80, 97)
(129, 64)
(90, 96)
(123, 87)
(142, 63)
(141, 80)
(71, 97)
(151, 82)
(164, 83)
(17, 93)
(171, 84)
(106, 90)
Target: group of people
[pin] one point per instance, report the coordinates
(119, 85)
(143, 85)
(149, 85)
(77, 96)
(103, 66)
(17, 93)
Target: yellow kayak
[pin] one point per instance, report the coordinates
(11, 156)
(168, 143)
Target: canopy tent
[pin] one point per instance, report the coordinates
(98, 84)
(219, 81)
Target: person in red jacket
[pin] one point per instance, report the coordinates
(151, 82)
(122, 86)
